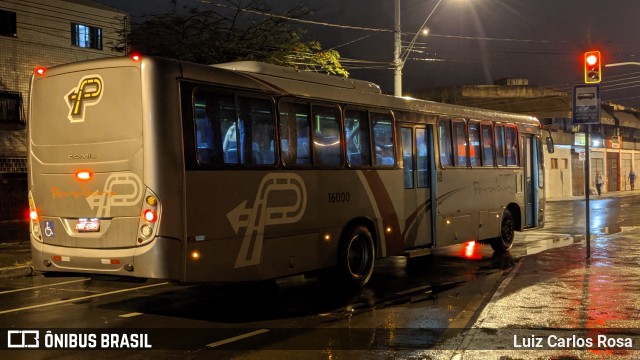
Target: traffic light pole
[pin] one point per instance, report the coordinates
(587, 189)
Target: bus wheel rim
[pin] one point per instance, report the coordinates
(357, 256)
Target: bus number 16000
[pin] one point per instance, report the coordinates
(339, 197)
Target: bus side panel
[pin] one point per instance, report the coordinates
(470, 207)
(272, 224)
(164, 163)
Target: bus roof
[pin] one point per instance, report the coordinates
(284, 81)
(294, 82)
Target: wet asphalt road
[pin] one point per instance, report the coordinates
(406, 305)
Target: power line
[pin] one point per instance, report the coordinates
(351, 27)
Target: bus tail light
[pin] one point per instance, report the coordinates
(36, 230)
(135, 57)
(40, 71)
(84, 175)
(149, 219)
(150, 216)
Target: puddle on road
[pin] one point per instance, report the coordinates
(610, 230)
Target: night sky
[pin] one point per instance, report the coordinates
(475, 41)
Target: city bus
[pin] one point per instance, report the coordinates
(156, 168)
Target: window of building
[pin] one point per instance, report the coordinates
(8, 23)
(10, 107)
(85, 36)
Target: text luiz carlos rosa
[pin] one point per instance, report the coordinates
(554, 341)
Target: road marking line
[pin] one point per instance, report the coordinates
(80, 298)
(130, 315)
(236, 338)
(41, 286)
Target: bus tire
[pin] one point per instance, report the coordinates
(356, 256)
(507, 229)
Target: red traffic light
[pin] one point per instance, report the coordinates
(592, 67)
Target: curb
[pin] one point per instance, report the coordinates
(16, 271)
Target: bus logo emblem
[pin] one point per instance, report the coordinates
(254, 219)
(88, 92)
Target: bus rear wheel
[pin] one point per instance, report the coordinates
(356, 257)
(507, 230)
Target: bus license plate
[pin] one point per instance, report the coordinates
(88, 225)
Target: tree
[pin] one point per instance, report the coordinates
(230, 30)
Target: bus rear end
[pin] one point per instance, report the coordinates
(93, 206)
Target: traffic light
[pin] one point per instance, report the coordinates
(592, 67)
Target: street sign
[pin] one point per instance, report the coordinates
(586, 104)
(581, 155)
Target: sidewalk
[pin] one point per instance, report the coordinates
(15, 250)
(594, 196)
(558, 305)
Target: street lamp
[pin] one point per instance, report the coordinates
(398, 60)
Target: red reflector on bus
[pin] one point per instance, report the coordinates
(150, 215)
(57, 258)
(40, 71)
(84, 175)
(115, 262)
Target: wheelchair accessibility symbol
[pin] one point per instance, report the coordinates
(48, 229)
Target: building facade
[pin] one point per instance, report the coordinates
(41, 33)
(614, 147)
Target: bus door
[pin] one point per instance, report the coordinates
(532, 179)
(417, 153)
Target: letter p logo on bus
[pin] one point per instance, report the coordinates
(88, 92)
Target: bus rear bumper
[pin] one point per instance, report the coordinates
(159, 259)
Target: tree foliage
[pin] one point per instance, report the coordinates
(229, 30)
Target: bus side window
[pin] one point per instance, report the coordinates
(499, 145)
(511, 145)
(407, 157)
(459, 143)
(475, 156)
(214, 116)
(487, 144)
(383, 139)
(422, 152)
(204, 136)
(256, 115)
(357, 137)
(294, 133)
(444, 143)
(326, 138)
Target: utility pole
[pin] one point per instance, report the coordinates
(397, 52)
